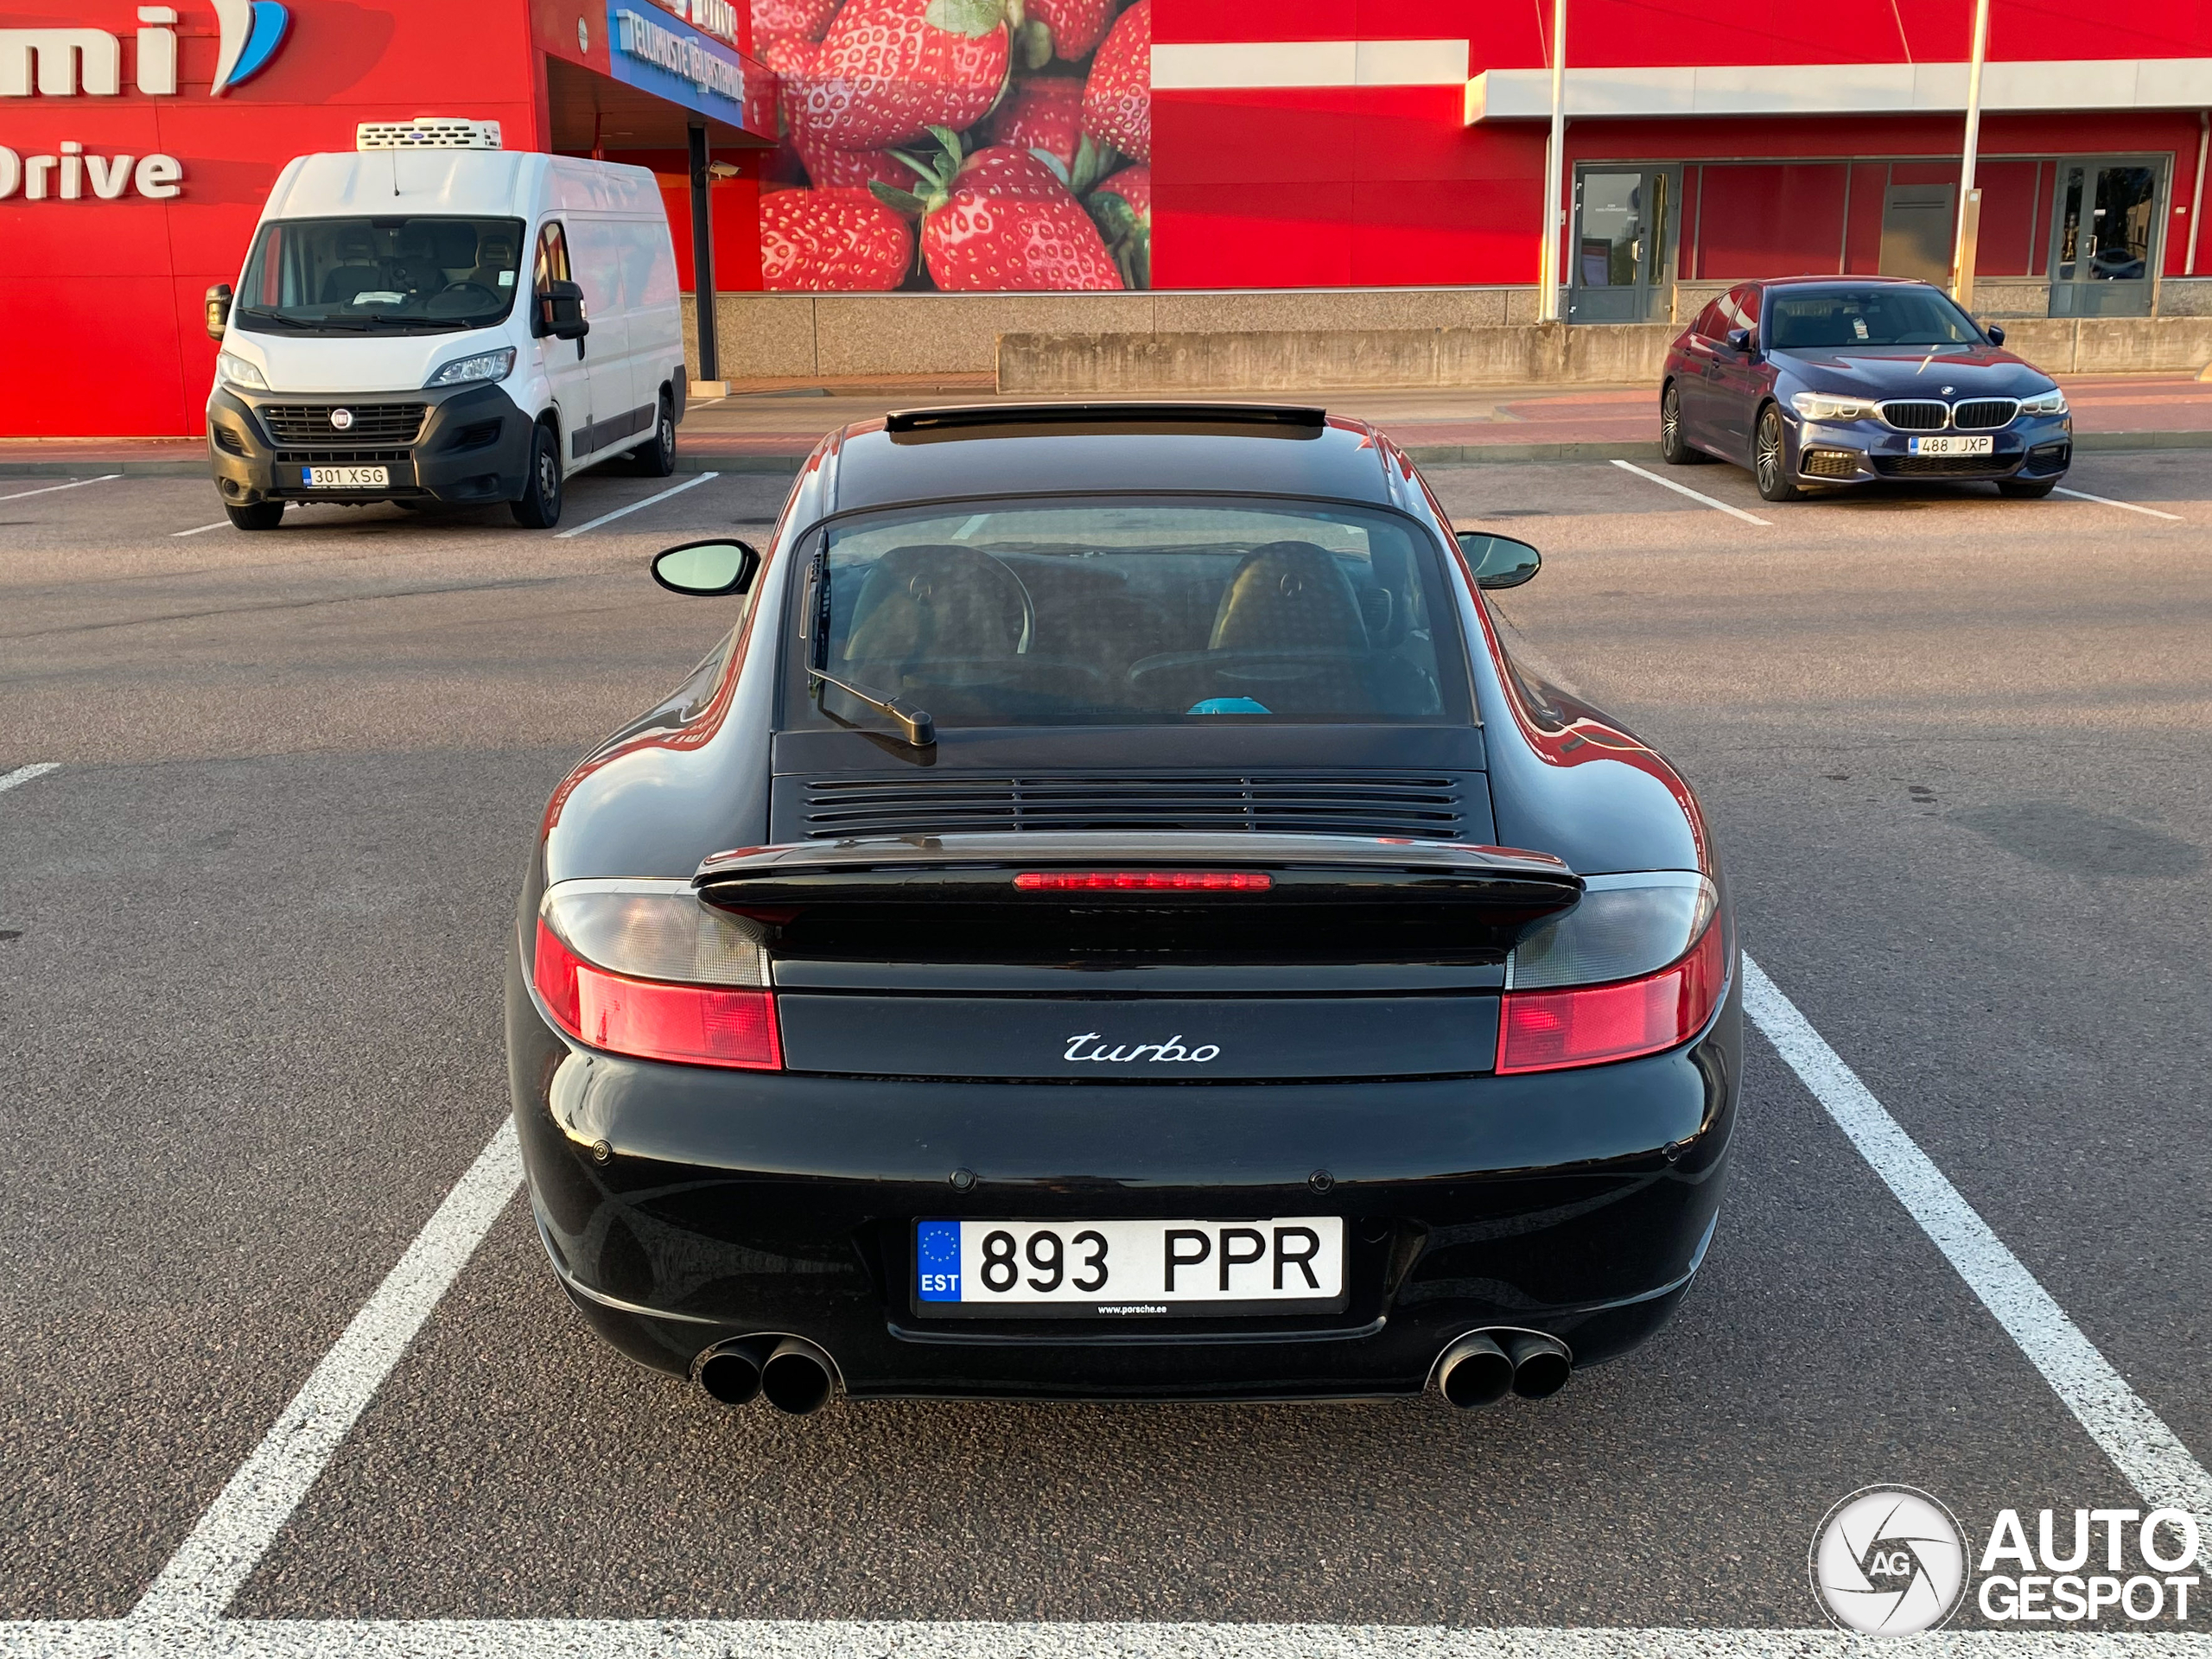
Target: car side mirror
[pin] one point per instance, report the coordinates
(1742, 339)
(219, 310)
(561, 312)
(1499, 561)
(704, 569)
(1996, 333)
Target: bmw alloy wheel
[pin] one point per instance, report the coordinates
(1670, 425)
(1770, 458)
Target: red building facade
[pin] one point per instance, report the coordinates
(1174, 143)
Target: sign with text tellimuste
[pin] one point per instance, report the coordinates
(961, 145)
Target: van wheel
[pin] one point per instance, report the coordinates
(261, 514)
(540, 507)
(656, 458)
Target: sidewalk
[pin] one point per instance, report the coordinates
(771, 427)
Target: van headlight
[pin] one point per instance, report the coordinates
(485, 366)
(2045, 403)
(1816, 407)
(239, 372)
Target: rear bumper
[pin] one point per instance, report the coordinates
(728, 1204)
(1871, 451)
(474, 445)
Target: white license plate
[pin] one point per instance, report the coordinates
(345, 478)
(1130, 1269)
(1983, 446)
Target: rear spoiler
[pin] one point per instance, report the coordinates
(983, 868)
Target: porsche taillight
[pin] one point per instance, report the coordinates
(1635, 968)
(643, 967)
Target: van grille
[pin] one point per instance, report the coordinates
(342, 457)
(1422, 806)
(1984, 414)
(373, 424)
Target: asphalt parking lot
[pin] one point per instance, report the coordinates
(1958, 755)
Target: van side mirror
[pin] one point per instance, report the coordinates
(561, 312)
(1742, 339)
(1996, 333)
(704, 569)
(1499, 561)
(219, 310)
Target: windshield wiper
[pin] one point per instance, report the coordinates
(433, 325)
(303, 325)
(914, 724)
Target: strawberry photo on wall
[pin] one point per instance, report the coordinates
(963, 145)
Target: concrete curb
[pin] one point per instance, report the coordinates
(1440, 453)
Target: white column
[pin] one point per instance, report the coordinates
(1547, 267)
(1963, 244)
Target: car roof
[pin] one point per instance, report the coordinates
(927, 455)
(1844, 281)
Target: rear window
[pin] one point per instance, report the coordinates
(1833, 319)
(1130, 612)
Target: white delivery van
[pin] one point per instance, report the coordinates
(432, 318)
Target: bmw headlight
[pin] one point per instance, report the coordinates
(239, 372)
(2045, 403)
(485, 366)
(1814, 406)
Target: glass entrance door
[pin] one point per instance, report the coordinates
(2104, 237)
(1621, 264)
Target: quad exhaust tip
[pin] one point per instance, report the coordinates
(794, 1375)
(1484, 1366)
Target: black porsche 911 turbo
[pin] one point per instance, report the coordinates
(1110, 922)
(1828, 381)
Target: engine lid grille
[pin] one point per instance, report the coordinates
(1424, 806)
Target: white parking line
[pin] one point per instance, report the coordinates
(2129, 1432)
(702, 1638)
(201, 529)
(74, 484)
(25, 774)
(609, 517)
(230, 1538)
(1684, 489)
(2107, 501)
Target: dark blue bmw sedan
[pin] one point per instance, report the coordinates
(1826, 380)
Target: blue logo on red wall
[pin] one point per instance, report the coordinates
(250, 32)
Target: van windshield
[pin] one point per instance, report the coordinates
(1114, 611)
(401, 274)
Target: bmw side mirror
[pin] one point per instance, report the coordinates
(1996, 335)
(561, 312)
(219, 310)
(1741, 340)
(1499, 561)
(705, 569)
